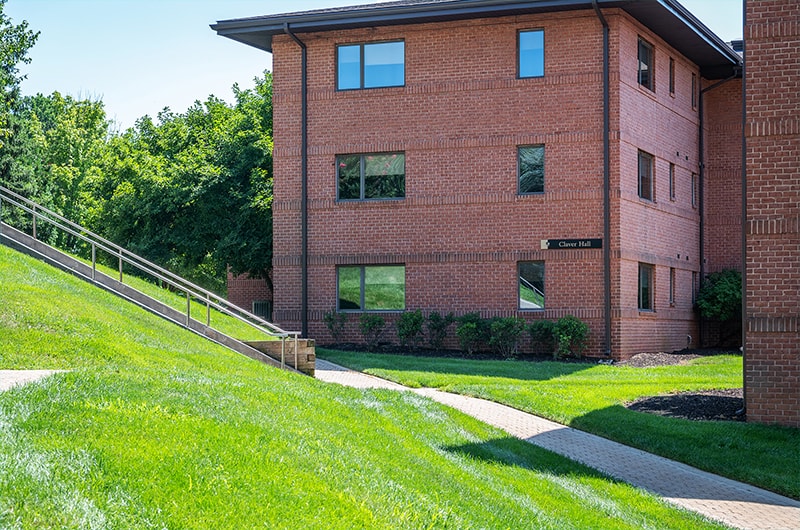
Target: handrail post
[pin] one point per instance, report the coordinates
(33, 215)
(283, 353)
(208, 310)
(296, 366)
(120, 265)
(94, 260)
(188, 308)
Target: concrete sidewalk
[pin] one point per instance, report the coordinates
(733, 503)
(12, 378)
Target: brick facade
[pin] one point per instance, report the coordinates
(244, 291)
(462, 228)
(772, 335)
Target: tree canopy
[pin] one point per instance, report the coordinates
(190, 191)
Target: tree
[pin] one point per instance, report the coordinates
(15, 42)
(720, 299)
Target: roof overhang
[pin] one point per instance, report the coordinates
(667, 18)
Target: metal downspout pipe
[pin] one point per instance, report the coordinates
(606, 183)
(304, 181)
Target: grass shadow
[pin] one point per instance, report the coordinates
(508, 369)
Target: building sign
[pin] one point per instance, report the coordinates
(569, 244)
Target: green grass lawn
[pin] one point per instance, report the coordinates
(153, 427)
(220, 321)
(591, 397)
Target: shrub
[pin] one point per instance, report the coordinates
(505, 335)
(571, 334)
(543, 335)
(437, 328)
(409, 328)
(335, 323)
(371, 326)
(720, 296)
(473, 332)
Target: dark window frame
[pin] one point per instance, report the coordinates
(646, 288)
(519, 169)
(363, 289)
(671, 181)
(646, 192)
(519, 53)
(521, 283)
(362, 80)
(671, 76)
(694, 91)
(362, 176)
(646, 76)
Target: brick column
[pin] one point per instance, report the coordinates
(772, 131)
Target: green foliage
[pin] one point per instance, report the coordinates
(505, 335)
(335, 322)
(571, 335)
(437, 326)
(720, 296)
(543, 335)
(371, 326)
(473, 332)
(409, 328)
(15, 42)
(191, 192)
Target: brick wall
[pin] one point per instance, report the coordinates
(772, 342)
(244, 290)
(462, 228)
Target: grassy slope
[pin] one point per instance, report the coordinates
(591, 398)
(154, 427)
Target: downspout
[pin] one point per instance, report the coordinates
(701, 184)
(304, 181)
(745, 356)
(606, 183)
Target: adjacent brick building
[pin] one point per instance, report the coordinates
(511, 158)
(772, 230)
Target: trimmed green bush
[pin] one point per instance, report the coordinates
(437, 326)
(571, 334)
(473, 332)
(543, 335)
(720, 296)
(371, 326)
(409, 328)
(505, 335)
(335, 323)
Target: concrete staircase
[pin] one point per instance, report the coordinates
(286, 350)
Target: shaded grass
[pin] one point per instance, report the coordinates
(591, 397)
(154, 427)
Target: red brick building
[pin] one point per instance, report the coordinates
(772, 230)
(522, 158)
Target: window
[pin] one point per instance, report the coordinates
(530, 169)
(263, 309)
(671, 286)
(645, 175)
(694, 286)
(672, 76)
(371, 288)
(646, 274)
(672, 182)
(374, 176)
(370, 65)
(694, 190)
(531, 53)
(531, 285)
(646, 64)
(694, 91)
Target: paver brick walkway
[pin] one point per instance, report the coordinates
(733, 503)
(12, 378)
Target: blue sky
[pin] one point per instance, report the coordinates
(139, 56)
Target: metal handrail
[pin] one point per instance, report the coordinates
(209, 299)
